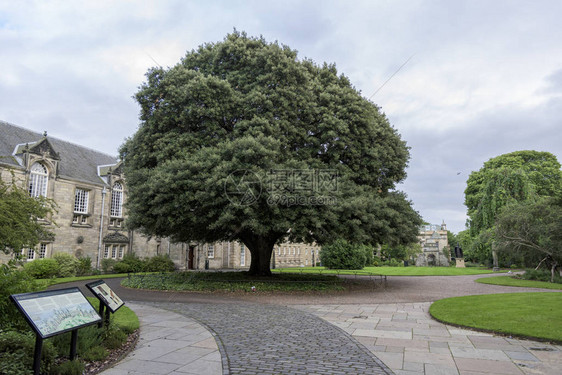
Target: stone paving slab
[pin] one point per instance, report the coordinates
(169, 344)
(436, 348)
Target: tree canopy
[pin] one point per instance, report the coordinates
(243, 141)
(533, 227)
(20, 217)
(507, 179)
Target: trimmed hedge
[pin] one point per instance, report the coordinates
(344, 255)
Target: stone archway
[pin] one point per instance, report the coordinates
(431, 260)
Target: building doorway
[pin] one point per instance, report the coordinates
(190, 258)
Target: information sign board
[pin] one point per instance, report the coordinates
(52, 312)
(101, 290)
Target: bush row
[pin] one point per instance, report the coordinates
(132, 264)
(344, 255)
(66, 265)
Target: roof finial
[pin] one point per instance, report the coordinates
(45, 133)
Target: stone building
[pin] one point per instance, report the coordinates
(433, 239)
(89, 189)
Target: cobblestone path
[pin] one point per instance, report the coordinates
(268, 339)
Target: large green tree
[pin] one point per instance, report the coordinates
(21, 223)
(533, 227)
(515, 177)
(243, 141)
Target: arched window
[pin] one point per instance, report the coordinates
(117, 200)
(38, 180)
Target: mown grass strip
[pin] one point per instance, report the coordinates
(529, 315)
(512, 281)
(124, 318)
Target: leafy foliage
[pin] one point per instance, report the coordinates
(84, 266)
(20, 216)
(504, 180)
(107, 265)
(13, 281)
(247, 105)
(68, 264)
(129, 263)
(532, 227)
(17, 349)
(343, 255)
(42, 268)
(160, 263)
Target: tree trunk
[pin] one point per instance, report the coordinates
(552, 270)
(261, 248)
(495, 259)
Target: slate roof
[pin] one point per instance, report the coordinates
(76, 162)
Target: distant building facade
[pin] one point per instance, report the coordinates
(90, 190)
(433, 239)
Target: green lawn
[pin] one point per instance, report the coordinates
(124, 318)
(511, 281)
(392, 271)
(532, 315)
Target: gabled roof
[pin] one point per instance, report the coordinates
(76, 162)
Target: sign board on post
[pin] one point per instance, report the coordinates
(54, 312)
(106, 296)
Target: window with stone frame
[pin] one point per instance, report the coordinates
(210, 251)
(116, 209)
(106, 251)
(81, 201)
(42, 250)
(38, 179)
(30, 254)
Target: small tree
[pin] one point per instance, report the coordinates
(20, 217)
(533, 227)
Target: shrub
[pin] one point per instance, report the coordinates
(129, 263)
(17, 350)
(13, 281)
(160, 263)
(42, 268)
(107, 265)
(113, 337)
(84, 267)
(95, 353)
(342, 255)
(541, 275)
(70, 368)
(68, 264)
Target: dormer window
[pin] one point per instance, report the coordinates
(117, 200)
(38, 180)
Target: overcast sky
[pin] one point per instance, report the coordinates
(483, 77)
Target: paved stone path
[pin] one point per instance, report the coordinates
(169, 343)
(410, 342)
(266, 339)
